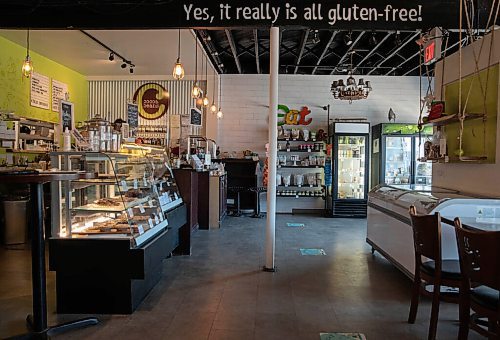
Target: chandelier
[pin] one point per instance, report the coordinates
(350, 90)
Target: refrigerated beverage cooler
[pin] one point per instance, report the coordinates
(396, 149)
(350, 168)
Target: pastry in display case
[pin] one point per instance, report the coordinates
(128, 199)
(116, 228)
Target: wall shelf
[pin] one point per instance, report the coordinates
(450, 119)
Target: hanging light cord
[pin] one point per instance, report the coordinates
(206, 76)
(179, 46)
(28, 43)
(195, 60)
(213, 91)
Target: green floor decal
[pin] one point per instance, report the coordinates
(312, 251)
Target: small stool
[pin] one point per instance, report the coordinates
(258, 191)
(237, 191)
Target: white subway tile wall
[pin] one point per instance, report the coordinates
(245, 100)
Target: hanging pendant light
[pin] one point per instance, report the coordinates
(213, 107)
(206, 101)
(27, 68)
(178, 71)
(195, 91)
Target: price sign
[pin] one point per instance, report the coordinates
(150, 221)
(141, 209)
(136, 185)
(130, 212)
(161, 216)
(141, 229)
(144, 181)
(124, 185)
(157, 220)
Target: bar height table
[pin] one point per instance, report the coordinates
(37, 322)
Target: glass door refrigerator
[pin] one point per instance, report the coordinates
(396, 149)
(351, 168)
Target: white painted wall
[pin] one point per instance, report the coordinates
(245, 101)
(481, 179)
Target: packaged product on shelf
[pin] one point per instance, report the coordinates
(299, 179)
(286, 179)
(311, 179)
(278, 179)
(305, 134)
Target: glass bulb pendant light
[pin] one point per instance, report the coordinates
(219, 113)
(27, 68)
(206, 101)
(213, 108)
(178, 71)
(195, 91)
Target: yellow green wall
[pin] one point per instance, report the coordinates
(479, 136)
(15, 90)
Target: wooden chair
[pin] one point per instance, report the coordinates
(435, 271)
(479, 253)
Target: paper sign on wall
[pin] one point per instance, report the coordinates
(59, 90)
(39, 94)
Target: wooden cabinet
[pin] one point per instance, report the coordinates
(187, 181)
(218, 197)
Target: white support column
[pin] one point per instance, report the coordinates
(274, 51)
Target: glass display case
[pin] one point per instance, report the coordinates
(116, 228)
(396, 149)
(389, 228)
(128, 199)
(350, 168)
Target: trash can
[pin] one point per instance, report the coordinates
(15, 221)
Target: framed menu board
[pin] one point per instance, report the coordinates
(67, 115)
(195, 116)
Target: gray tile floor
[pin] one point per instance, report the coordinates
(220, 291)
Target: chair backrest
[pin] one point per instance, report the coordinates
(479, 253)
(426, 235)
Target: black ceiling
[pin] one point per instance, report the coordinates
(307, 51)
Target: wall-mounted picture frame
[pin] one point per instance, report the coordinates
(195, 117)
(67, 115)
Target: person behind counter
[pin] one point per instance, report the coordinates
(117, 124)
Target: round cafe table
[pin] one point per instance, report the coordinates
(37, 322)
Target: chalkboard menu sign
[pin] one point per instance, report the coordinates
(67, 112)
(133, 118)
(195, 116)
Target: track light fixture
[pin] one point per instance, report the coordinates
(397, 39)
(131, 70)
(315, 39)
(113, 55)
(348, 38)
